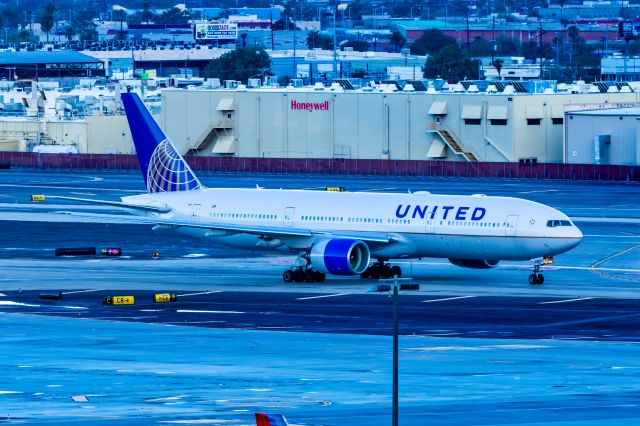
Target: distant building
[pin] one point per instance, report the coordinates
(32, 65)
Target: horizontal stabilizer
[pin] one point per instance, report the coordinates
(152, 209)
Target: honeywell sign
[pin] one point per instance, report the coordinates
(309, 106)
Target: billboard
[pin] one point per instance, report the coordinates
(216, 31)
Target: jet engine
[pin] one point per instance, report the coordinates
(340, 256)
(475, 263)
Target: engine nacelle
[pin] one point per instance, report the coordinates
(340, 256)
(475, 263)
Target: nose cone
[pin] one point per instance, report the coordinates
(572, 236)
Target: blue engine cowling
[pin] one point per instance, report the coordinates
(475, 263)
(340, 256)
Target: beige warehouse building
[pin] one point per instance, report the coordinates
(603, 135)
(372, 124)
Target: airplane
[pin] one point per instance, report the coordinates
(336, 233)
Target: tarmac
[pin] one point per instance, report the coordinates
(476, 347)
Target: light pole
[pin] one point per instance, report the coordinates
(335, 54)
(397, 283)
(394, 420)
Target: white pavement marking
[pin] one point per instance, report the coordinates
(79, 291)
(324, 295)
(566, 300)
(198, 311)
(448, 298)
(201, 293)
(3, 295)
(537, 191)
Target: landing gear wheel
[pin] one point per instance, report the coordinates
(374, 272)
(287, 276)
(319, 277)
(366, 274)
(298, 275)
(532, 279)
(309, 276)
(540, 279)
(386, 272)
(396, 271)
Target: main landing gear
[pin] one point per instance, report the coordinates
(382, 270)
(303, 274)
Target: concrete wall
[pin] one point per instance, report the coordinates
(372, 125)
(109, 135)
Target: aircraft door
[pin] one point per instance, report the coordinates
(288, 216)
(195, 210)
(511, 225)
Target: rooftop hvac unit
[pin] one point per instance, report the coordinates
(230, 84)
(254, 83)
(271, 81)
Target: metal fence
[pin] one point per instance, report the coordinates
(337, 166)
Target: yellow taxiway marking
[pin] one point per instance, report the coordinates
(566, 300)
(448, 298)
(323, 296)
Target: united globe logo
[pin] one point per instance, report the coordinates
(168, 172)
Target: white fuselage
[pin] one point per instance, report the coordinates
(421, 224)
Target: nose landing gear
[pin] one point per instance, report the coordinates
(537, 278)
(380, 269)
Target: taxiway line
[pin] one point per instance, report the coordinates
(323, 296)
(448, 298)
(566, 300)
(201, 293)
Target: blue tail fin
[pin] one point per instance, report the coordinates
(162, 167)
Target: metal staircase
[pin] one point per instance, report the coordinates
(455, 147)
(216, 129)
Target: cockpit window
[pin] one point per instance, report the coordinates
(554, 223)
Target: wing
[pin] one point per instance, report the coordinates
(270, 231)
(146, 208)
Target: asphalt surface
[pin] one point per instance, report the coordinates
(477, 347)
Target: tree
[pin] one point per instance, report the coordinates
(357, 45)
(480, 47)
(69, 33)
(431, 41)
(240, 64)
(47, 20)
(120, 15)
(450, 63)
(317, 40)
(146, 14)
(397, 40)
(284, 23)
(173, 16)
(498, 65)
(506, 46)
